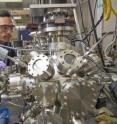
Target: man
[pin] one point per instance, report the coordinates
(6, 30)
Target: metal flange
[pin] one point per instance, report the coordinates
(39, 66)
(69, 61)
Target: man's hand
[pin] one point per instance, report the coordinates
(2, 65)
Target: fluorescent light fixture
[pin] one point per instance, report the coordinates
(17, 17)
(10, 0)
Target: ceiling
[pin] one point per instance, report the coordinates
(20, 4)
(15, 5)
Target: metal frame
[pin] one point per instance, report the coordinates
(37, 6)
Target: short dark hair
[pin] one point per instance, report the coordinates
(5, 13)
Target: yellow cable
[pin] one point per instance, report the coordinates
(108, 9)
(114, 12)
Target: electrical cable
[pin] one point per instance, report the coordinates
(95, 45)
(14, 104)
(94, 14)
(17, 61)
(100, 68)
(89, 33)
(104, 89)
(95, 7)
(82, 20)
(106, 48)
(115, 43)
(95, 33)
(98, 22)
(111, 44)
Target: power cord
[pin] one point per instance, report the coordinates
(95, 33)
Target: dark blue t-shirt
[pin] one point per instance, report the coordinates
(11, 53)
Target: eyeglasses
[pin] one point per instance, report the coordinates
(7, 27)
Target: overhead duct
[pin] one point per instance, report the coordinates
(55, 1)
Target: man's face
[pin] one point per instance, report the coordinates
(6, 28)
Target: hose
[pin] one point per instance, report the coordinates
(108, 9)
